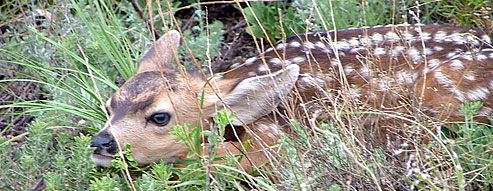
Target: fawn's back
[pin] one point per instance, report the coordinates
(435, 68)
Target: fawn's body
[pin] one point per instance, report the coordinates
(429, 69)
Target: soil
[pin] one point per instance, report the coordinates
(237, 44)
(12, 120)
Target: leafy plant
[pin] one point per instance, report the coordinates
(58, 163)
(204, 41)
(473, 143)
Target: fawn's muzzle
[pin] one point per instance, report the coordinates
(105, 148)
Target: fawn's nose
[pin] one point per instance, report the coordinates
(104, 142)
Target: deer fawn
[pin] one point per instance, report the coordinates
(430, 67)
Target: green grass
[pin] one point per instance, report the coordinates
(82, 55)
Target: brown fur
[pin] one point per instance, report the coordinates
(385, 69)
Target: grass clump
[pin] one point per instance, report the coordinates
(276, 20)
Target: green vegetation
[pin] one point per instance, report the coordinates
(79, 52)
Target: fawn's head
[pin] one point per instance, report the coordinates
(147, 107)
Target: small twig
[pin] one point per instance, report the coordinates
(239, 25)
(139, 10)
(187, 25)
(18, 19)
(13, 35)
(24, 176)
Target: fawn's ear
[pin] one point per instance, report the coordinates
(161, 54)
(255, 97)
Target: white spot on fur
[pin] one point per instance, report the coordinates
(379, 51)
(217, 77)
(438, 48)
(457, 38)
(342, 45)
(481, 57)
(442, 79)
(459, 95)
(456, 64)
(485, 111)
(341, 54)
(348, 70)
(449, 84)
(295, 44)
(488, 52)
(392, 36)
(403, 25)
(334, 62)
(251, 74)
(384, 83)
(425, 36)
(454, 54)
(357, 50)
(306, 82)
(408, 36)
(320, 80)
(427, 51)
(478, 94)
(365, 41)
(261, 69)
(414, 53)
(320, 45)
(377, 38)
(309, 45)
(434, 63)
(472, 39)
(276, 61)
(271, 130)
(451, 54)
(440, 36)
(469, 76)
(250, 61)
(486, 39)
(404, 76)
(467, 56)
(364, 71)
(235, 65)
(355, 91)
(398, 51)
(353, 42)
(280, 46)
(298, 59)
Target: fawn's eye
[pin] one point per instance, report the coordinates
(161, 119)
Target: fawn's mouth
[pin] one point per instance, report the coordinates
(102, 160)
